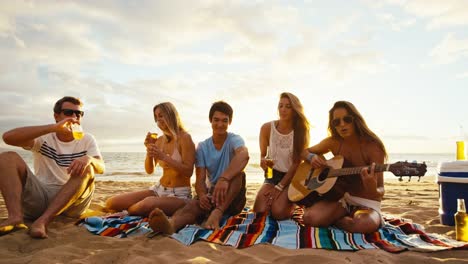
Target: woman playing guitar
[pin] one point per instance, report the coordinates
(358, 209)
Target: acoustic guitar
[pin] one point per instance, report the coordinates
(307, 179)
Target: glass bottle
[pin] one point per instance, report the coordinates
(461, 146)
(461, 221)
(269, 162)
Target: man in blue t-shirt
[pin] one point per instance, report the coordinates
(220, 179)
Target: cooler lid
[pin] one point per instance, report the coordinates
(453, 166)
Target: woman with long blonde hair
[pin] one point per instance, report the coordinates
(174, 151)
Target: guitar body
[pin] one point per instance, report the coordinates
(307, 180)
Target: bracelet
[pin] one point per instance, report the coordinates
(310, 156)
(279, 187)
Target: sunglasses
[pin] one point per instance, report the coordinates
(70, 112)
(347, 119)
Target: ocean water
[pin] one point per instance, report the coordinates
(129, 166)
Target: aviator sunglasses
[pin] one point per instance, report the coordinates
(70, 112)
(347, 119)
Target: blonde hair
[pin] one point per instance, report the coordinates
(171, 116)
(301, 125)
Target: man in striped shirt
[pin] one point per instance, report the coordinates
(64, 168)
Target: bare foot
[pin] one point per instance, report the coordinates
(213, 220)
(159, 222)
(38, 230)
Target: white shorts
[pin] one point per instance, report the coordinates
(179, 192)
(354, 203)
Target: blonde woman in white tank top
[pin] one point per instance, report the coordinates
(286, 138)
(174, 151)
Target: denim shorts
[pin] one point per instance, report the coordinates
(277, 176)
(184, 193)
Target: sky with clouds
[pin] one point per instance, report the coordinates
(402, 63)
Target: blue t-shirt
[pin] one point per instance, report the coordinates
(217, 161)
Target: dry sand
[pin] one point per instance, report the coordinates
(68, 243)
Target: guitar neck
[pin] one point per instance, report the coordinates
(357, 170)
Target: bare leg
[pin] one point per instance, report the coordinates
(169, 205)
(282, 208)
(125, 200)
(67, 195)
(362, 221)
(261, 201)
(323, 214)
(13, 176)
(216, 215)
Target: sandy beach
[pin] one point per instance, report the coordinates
(68, 243)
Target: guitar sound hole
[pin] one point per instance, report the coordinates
(323, 175)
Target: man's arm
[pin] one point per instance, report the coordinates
(236, 166)
(200, 188)
(238, 163)
(24, 136)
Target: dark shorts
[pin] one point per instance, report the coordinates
(277, 176)
(239, 201)
(238, 204)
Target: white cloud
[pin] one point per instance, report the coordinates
(449, 50)
(463, 75)
(396, 23)
(441, 14)
(122, 57)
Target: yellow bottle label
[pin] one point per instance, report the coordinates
(461, 226)
(461, 150)
(269, 173)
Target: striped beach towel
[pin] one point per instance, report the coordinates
(247, 229)
(116, 225)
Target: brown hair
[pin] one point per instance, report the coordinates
(222, 107)
(360, 125)
(73, 100)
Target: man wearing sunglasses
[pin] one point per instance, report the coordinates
(63, 182)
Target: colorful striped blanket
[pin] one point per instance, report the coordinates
(247, 229)
(116, 225)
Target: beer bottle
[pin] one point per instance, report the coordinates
(269, 162)
(461, 221)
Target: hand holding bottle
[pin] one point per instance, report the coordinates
(150, 138)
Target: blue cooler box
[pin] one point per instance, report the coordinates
(453, 184)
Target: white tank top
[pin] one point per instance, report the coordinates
(281, 148)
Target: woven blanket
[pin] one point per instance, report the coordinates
(116, 225)
(247, 229)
